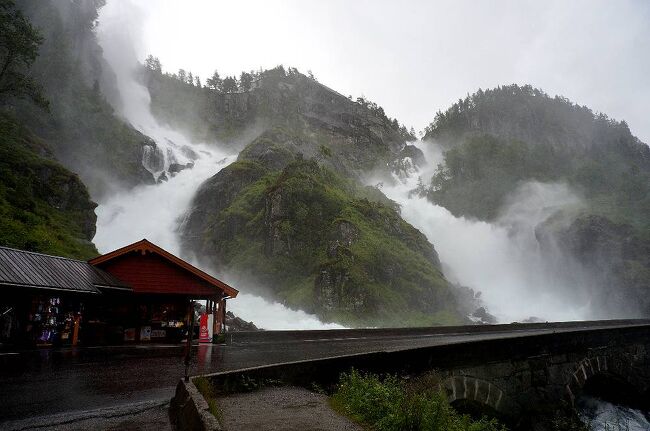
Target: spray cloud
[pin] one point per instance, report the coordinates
(516, 276)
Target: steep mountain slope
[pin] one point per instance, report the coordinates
(80, 127)
(321, 244)
(291, 214)
(43, 206)
(497, 139)
(350, 137)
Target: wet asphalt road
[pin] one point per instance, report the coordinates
(48, 382)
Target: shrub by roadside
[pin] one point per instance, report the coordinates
(394, 404)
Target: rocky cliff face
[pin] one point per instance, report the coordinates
(81, 128)
(43, 206)
(617, 260)
(285, 113)
(291, 213)
(321, 243)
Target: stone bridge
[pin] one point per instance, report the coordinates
(541, 383)
(516, 372)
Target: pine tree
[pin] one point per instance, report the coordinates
(229, 85)
(157, 67)
(245, 81)
(19, 44)
(215, 82)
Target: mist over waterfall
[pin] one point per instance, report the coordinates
(151, 211)
(503, 261)
(179, 165)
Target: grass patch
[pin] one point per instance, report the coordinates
(393, 404)
(207, 390)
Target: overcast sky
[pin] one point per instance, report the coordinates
(417, 57)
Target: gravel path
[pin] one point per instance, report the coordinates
(284, 408)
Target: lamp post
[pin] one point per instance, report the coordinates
(188, 347)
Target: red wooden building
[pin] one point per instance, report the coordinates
(163, 287)
(138, 293)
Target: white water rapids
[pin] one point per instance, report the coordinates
(154, 212)
(601, 415)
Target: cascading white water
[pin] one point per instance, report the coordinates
(155, 211)
(601, 415)
(502, 260)
(151, 211)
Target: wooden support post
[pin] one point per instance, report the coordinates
(216, 329)
(75, 331)
(188, 346)
(223, 314)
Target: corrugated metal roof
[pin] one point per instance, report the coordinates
(19, 268)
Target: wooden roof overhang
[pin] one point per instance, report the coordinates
(133, 263)
(20, 269)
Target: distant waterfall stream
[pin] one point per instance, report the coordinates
(501, 260)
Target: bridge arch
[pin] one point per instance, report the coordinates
(479, 391)
(599, 367)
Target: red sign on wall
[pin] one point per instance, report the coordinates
(204, 329)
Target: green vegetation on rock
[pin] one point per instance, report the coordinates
(43, 206)
(495, 140)
(357, 135)
(206, 389)
(291, 213)
(393, 404)
(499, 138)
(323, 244)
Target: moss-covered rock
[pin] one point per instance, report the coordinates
(43, 206)
(318, 243)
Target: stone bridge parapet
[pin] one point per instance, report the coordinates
(516, 376)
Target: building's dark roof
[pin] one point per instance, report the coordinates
(19, 268)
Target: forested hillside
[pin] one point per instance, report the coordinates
(321, 243)
(497, 139)
(43, 206)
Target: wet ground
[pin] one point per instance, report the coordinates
(42, 383)
(282, 409)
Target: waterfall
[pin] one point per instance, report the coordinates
(155, 211)
(501, 260)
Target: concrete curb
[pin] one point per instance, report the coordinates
(189, 411)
